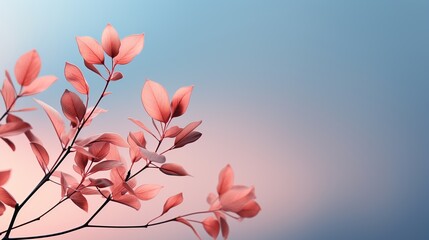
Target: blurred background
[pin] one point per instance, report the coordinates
(321, 105)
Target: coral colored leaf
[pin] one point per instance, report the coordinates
(224, 227)
(27, 68)
(81, 161)
(186, 131)
(131, 46)
(8, 92)
(13, 128)
(79, 200)
(211, 225)
(112, 138)
(249, 210)
(190, 138)
(31, 137)
(155, 101)
(41, 155)
(140, 124)
(138, 138)
(99, 150)
(101, 182)
(172, 202)
(173, 169)
(4, 176)
(83, 151)
(6, 198)
(236, 198)
(40, 84)
(9, 143)
(2, 208)
(172, 132)
(110, 41)
(75, 76)
(54, 116)
(116, 76)
(226, 179)
(64, 185)
(73, 107)
(91, 67)
(105, 165)
(90, 50)
(187, 223)
(94, 114)
(147, 191)
(152, 156)
(129, 200)
(180, 101)
(24, 109)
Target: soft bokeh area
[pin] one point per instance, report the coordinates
(321, 105)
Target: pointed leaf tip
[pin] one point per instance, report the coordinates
(90, 50)
(155, 101)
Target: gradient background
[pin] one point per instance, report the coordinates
(322, 105)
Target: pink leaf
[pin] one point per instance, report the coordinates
(180, 101)
(249, 210)
(147, 191)
(140, 124)
(4, 176)
(138, 138)
(79, 200)
(224, 227)
(226, 179)
(171, 202)
(152, 156)
(9, 143)
(236, 198)
(110, 41)
(27, 68)
(54, 116)
(173, 169)
(130, 47)
(6, 198)
(211, 225)
(41, 155)
(31, 137)
(187, 223)
(186, 131)
(13, 128)
(101, 182)
(172, 132)
(8, 92)
(116, 76)
(24, 109)
(104, 166)
(73, 107)
(90, 50)
(112, 138)
(83, 151)
(81, 161)
(91, 67)
(40, 84)
(64, 185)
(190, 138)
(75, 76)
(129, 200)
(99, 150)
(155, 101)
